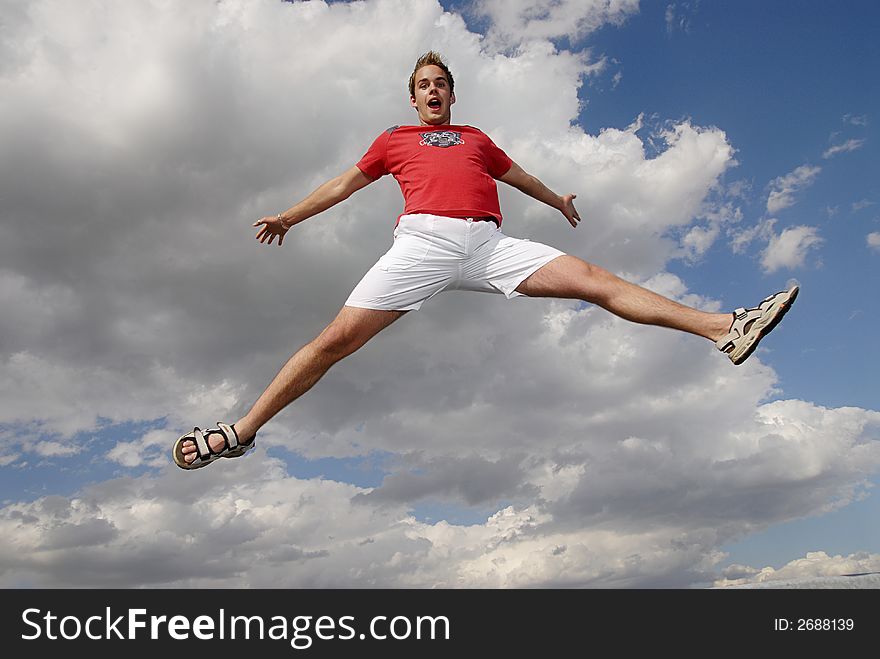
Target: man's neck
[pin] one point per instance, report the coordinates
(448, 122)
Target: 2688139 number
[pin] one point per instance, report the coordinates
(825, 624)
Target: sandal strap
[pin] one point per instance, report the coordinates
(741, 317)
(202, 448)
(726, 341)
(231, 446)
(230, 435)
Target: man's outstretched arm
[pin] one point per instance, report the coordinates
(325, 196)
(525, 182)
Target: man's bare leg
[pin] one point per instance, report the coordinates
(350, 330)
(570, 277)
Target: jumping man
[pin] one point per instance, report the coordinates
(449, 238)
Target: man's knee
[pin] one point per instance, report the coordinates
(337, 341)
(350, 330)
(567, 277)
(598, 285)
(586, 281)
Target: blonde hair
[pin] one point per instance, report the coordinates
(431, 57)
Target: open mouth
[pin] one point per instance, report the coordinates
(434, 104)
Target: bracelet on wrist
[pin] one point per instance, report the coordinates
(283, 223)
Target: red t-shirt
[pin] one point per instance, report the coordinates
(444, 170)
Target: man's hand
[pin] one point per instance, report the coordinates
(569, 210)
(272, 228)
(525, 182)
(326, 195)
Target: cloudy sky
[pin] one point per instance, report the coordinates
(719, 151)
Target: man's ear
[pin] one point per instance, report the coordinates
(412, 101)
(452, 98)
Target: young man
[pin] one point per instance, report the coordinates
(449, 238)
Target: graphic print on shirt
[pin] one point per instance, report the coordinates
(441, 138)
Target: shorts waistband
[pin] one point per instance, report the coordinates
(481, 218)
(469, 218)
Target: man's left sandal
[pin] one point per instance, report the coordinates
(232, 447)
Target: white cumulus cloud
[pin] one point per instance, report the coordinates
(789, 249)
(784, 188)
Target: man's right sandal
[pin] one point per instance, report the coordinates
(232, 447)
(751, 325)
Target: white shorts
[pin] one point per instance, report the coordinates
(432, 254)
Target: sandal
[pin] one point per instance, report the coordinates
(749, 326)
(232, 448)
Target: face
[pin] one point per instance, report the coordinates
(433, 99)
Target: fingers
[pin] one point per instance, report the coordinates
(272, 236)
(574, 218)
(268, 232)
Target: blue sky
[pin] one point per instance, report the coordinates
(143, 306)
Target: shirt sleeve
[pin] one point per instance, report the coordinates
(373, 164)
(498, 163)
